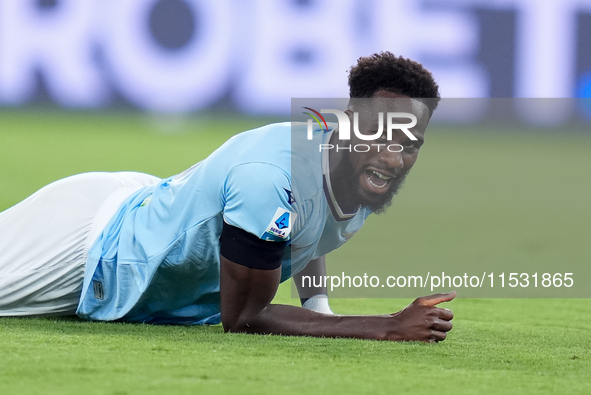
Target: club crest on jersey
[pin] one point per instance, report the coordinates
(290, 198)
(280, 227)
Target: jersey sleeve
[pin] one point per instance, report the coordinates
(258, 200)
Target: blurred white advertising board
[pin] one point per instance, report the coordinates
(176, 56)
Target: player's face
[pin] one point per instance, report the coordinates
(378, 174)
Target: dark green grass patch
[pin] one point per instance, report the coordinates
(498, 345)
(460, 203)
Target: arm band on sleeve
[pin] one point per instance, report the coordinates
(243, 248)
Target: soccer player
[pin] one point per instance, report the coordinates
(212, 243)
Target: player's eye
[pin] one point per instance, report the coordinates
(410, 146)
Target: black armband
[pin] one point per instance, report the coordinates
(243, 248)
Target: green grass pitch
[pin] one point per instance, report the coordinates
(457, 204)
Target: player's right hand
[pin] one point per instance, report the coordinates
(422, 320)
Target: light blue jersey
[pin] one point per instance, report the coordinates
(158, 259)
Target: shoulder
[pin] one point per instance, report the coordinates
(257, 177)
(270, 144)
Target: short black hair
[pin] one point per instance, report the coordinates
(386, 71)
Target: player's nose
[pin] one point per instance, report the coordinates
(392, 160)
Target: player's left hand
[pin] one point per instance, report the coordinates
(423, 321)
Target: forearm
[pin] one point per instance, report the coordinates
(246, 294)
(312, 274)
(313, 297)
(297, 321)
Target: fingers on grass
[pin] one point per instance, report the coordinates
(444, 314)
(442, 325)
(437, 336)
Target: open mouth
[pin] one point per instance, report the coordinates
(377, 181)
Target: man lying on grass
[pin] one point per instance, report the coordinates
(212, 244)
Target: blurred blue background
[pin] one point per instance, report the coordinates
(253, 56)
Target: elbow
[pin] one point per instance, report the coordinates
(230, 326)
(245, 323)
